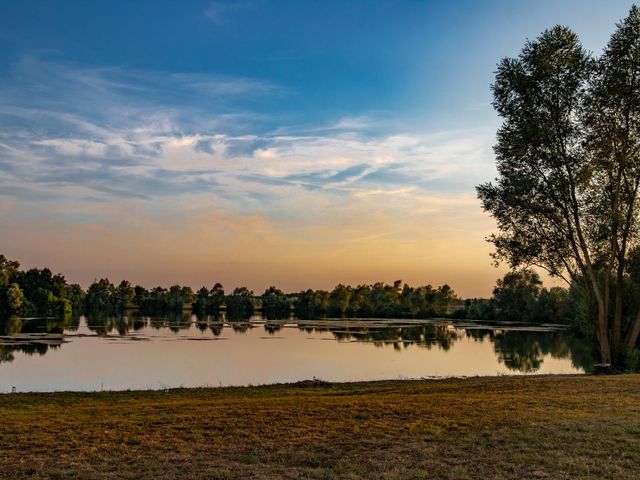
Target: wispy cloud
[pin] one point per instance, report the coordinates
(118, 131)
(220, 13)
(102, 99)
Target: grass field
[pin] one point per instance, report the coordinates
(536, 427)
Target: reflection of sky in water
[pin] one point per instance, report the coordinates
(142, 353)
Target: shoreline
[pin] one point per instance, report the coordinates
(318, 383)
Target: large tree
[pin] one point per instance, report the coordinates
(568, 160)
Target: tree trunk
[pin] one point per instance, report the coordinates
(603, 327)
(616, 336)
(603, 331)
(632, 336)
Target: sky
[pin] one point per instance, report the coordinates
(300, 144)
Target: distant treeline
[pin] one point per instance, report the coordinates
(378, 300)
(519, 296)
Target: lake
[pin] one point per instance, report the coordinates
(135, 352)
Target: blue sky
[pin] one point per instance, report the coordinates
(292, 142)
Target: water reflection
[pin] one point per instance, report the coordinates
(15, 325)
(422, 335)
(32, 336)
(523, 351)
(519, 348)
(273, 326)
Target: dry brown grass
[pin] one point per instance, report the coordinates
(544, 427)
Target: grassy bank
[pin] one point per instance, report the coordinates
(544, 427)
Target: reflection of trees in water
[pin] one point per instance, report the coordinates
(522, 352)
(479, 334)
(13, 326)
(426, 335)
(216, 328)
(525, 351)
(240, 326)
(179, 321)
(174, 321)
(215, 323)
(123, 325)
(202, 325)
(519, 350)
(272, 326)
(6, 352)
(103, 325)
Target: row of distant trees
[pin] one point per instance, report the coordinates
(376, 300)
(379, 300)
(518, 296)
(40, 292)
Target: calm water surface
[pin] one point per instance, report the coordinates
(152, 353)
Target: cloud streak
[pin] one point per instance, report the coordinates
(221, 13)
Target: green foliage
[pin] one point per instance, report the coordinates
(76, 296)
(139, 295)
(35, 292)
(239, 304)
(8, 270)
(339, 301)
(177, 297)
(153, 302)
(15, 298)
(123, 295)
(44, 292)
(275, 305)
(516, 295)
(201, 301)
(519, 296)
(105, 298)
(480, 309)
(633, 360)
(311, 304)
(553, 305)
(101, 296)
(208, 301)
(216, 297)
(378, 300)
